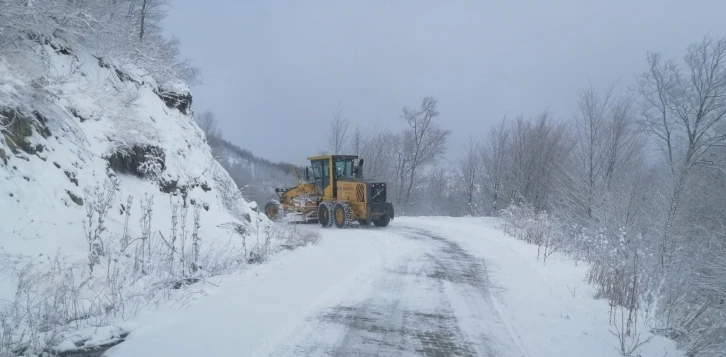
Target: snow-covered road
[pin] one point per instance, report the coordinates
(432, 301)
(420, 287)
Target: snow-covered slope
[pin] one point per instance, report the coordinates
(83, 137)
(107, 118)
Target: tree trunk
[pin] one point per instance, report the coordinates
(410, 182)
(144, 7)
(495, 198)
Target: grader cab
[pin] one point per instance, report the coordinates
(333, 192)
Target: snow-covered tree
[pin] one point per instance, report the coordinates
(469, 178)
(648, 218)
(494, 164)
(424, 141)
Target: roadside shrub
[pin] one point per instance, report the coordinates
(294, 236)
(53, 298)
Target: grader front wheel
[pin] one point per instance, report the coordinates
(343, 215)
(325, 215)
(274, 210)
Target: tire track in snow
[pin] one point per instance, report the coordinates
(476, 276)
(433, 303)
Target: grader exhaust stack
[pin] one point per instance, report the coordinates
(334, 192)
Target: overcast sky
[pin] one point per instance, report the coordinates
(274, 71)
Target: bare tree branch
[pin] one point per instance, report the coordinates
(337, 132)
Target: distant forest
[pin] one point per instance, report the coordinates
(256, 177)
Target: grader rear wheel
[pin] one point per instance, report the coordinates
(382, 222)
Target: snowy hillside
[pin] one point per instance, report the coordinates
(108, 192)
(257, 176)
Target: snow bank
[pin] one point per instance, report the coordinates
(99, 142)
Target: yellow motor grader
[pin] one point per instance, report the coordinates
(334, 192)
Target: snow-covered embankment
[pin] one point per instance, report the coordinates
(110, 199)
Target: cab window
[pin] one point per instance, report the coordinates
(321, 175)
(344, 168)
